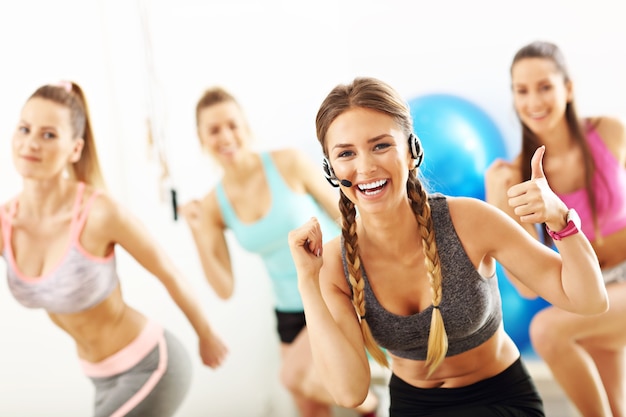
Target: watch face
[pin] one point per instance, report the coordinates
(574, 218)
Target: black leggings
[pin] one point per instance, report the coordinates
(511, 393)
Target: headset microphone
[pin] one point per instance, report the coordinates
(346, 183)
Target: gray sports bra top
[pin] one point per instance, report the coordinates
(79, 280)
(470, 306)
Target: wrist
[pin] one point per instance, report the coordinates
(308, 284)
(203, 331)
(570, 225)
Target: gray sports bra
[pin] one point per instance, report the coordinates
(79, 281)
(470, 305)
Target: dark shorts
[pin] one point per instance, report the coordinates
(289, 325)
(511, 393)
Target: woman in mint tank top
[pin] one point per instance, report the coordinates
(416, 273)
(261, 197)
(59, 239)
(585, 163)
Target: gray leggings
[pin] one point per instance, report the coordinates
(134, 393)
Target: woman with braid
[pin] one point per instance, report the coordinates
(260, 198)
(415, 273)
(59, 236)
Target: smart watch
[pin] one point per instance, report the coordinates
(571, 228)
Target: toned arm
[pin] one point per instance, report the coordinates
(297, 165)
(207, 229)
(570, 279)
(111, 223)
(335, 335)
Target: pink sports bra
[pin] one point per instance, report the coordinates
(78, 281)
(609, 182)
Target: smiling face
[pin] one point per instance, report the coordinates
(223, 131)
(43, 143)
(540, 94)
(368, 148)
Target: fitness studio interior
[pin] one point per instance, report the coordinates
(143, 66)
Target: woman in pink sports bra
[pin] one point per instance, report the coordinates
(585, 163)
(58, 239)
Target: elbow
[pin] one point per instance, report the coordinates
(224, 293)
(350, 401)
(605, 306)
(599, 307)
(602, 306)
(353, 397)
(527, 293)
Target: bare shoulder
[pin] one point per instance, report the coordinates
(484, 229)
(613, 133)
(211, 207)
(285, 154)
(209, 199)
(4, 210)
(608, 125)
(288, 159)
(468, 206)
(105, 211)
(294, 166)
(103, 206)
(473, 216)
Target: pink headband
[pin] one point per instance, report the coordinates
(66, 85)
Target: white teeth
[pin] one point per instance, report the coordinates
(227, 150)
(537, 115)
(371, 185)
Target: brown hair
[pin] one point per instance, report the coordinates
(376, 95)
(211, 97)
(530, 141)
(70, 95)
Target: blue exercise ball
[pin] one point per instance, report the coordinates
(517, 313)
(460, 141)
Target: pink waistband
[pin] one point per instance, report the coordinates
(129, 356)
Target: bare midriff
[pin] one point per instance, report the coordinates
(104, 329)
(484, 361)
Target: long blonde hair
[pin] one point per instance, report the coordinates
(70, 95)
(376, 95)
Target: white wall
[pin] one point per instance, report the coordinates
(280, 58)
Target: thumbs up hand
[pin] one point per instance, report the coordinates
(536, 163)
(534, 201)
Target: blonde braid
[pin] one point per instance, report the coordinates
(351, 245)
(437, 337)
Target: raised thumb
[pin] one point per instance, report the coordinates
(536, 163)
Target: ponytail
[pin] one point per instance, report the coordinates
(69, 94)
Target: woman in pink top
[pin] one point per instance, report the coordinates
(58, 239)
(585, 163)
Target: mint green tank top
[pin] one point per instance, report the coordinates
(268, 236)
